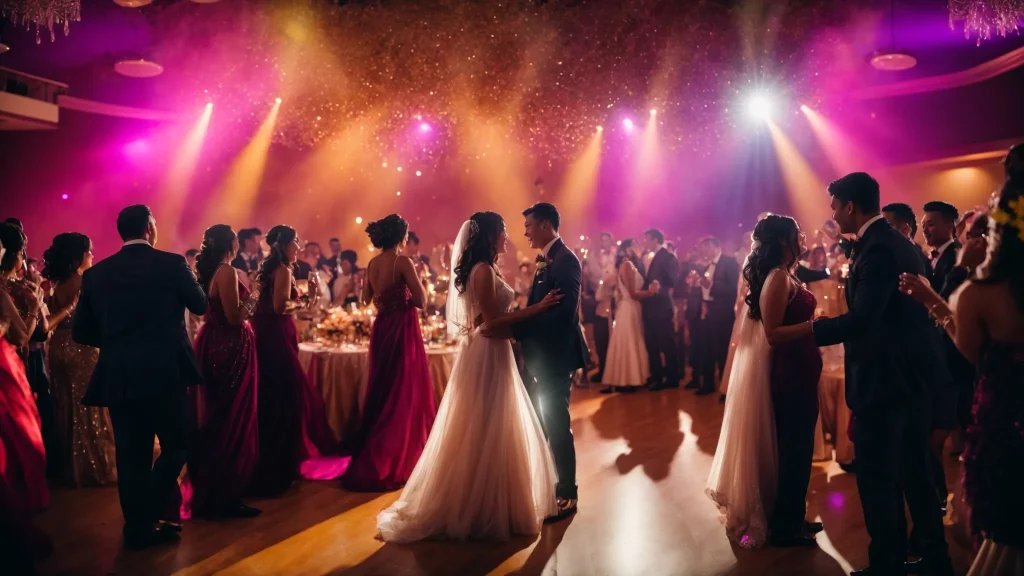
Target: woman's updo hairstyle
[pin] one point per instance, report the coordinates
(387, 232)
(218, 242)
(65, 255)
(278, 238)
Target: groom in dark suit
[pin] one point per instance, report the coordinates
(553, 344)
(891, 347)
(659, 314)
(132, 308)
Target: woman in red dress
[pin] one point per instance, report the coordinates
(400, 407)
(23, 488)
(295, 438)
(228, 440)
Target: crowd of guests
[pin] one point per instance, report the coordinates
(73, 414)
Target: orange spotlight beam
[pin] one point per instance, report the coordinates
(236, 195)
(579, 186)
(806, 191)
(843, 152)
(174, 189)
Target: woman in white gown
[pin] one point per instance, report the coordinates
(486, 472)
(626, 366)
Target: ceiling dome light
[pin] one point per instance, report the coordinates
(892, 61)
(133, 3)
(138, 68)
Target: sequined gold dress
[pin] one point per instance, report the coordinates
(85, 438)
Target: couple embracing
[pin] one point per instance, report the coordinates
(500, 460)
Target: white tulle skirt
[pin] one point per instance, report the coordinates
(744, 472)
(997, 560)
(486, 472)
(626, 363)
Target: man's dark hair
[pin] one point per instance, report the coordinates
(413, 238)
(544, 212)
(948, 211)
(191, 252)
(246, 234)
(656, 234)
(904, 215)
(334, 240)
(350, 256)
(712, 241)
(859, 188)
(312, 243)
(133, 222)
(607, 235)
(256, 231)
(15, 222)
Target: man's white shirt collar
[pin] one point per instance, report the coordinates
(547, 247)
(942, 249)
(864, 228)
(136, 241)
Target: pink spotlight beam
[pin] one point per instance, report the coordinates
(628, 124)
(424, 127)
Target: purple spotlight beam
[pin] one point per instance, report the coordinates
(628, 124)
(424, 127)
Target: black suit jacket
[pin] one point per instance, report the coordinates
(553, 342)
(724, 288)
(665, 269)
(246, 265)
(132, 308)
(891, 343)
(945, 279)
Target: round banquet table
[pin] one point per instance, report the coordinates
(341, 373)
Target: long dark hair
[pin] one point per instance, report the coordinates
(218, 242)
(482, 246)
(773, 240)
(279, 238)
(13, 239)
(1005, 245)
(623, 254)
(65, 255)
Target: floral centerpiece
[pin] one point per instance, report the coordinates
(341, 325)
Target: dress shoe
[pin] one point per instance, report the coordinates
(722, 398)
(813, 527)
(792, 540)
(165, 525)
(608, 390)
(596, 378)
(628, 389)
(850, 468)
(705, 392)
(142, 539)
(691, 386)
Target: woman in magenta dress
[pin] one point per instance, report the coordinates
(400, 407)
(23, 488)
(294, 434)
(227, 444)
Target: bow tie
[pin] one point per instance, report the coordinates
(849, 246)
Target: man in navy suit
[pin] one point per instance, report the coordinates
(132, 308)
(659, 313)
(891, 345)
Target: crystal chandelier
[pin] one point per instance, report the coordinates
(980, 17)
(42, 13)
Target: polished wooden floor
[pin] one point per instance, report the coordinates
(643, 460)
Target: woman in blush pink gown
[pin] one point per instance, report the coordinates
(399, 408)
(227, 444)
(294, 435)
(23, 488)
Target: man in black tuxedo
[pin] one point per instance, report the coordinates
(554, 347)
(659, 315)
(132, 308)
(250, 254)
(940, 229)
(891, 345)
(901, 217)
(719, 286)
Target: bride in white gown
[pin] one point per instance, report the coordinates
(486, 471)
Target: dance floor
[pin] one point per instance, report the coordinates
(643, 461)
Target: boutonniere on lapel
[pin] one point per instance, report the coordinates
(542, 264)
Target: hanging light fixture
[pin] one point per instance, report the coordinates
(890, 59)
(138, 68)
(43, 14)
(133, 3)
(980, 17)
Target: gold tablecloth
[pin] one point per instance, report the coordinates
(340, 373)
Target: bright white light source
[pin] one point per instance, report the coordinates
(759, 107)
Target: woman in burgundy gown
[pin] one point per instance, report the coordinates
(762, 465)
(23, 488)
(294, 435)
(400, 407)
(227, 444)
